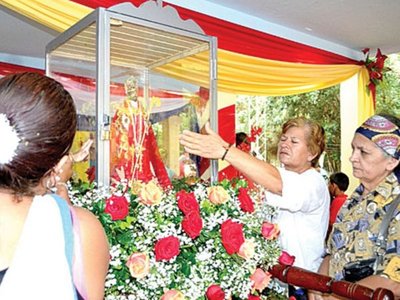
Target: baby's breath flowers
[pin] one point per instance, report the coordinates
(193, 241)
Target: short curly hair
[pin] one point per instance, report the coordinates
(315, 135)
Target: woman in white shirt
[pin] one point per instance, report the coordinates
(296, 187)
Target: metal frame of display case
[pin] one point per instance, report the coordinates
(103, 20)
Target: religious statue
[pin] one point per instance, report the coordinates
(134, 151)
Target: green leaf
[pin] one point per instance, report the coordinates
(125, 238)
(185, 268)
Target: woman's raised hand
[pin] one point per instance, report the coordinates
(209, 145)
(83, 152)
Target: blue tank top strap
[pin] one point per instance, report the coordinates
(66, 218)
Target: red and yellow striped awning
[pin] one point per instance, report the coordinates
(249, 62)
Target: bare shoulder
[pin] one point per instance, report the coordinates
(95, 252)
(91, 229)
(86, 218)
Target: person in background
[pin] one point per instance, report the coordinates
(48, 249)
(242, 142)
(296, 188)
(375, 162)
(338, 184)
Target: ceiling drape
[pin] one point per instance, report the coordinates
(249, 62)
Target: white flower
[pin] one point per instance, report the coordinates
(11, 140)
(202, 261)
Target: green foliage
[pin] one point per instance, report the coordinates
(388, 91)
(322, 106)
(135, 221)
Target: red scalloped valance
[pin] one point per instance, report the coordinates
(244, 40)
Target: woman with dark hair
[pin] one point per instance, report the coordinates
(361, 248)
(48, 249)
(296, 188)
(241, 137)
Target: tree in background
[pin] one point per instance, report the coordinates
(322, 106)
(388, 92)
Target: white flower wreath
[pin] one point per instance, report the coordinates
(11, 140)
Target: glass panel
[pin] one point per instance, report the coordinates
(159, 86)
(149, 107)
(74, 65)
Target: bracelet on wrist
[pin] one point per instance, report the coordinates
(226, 151)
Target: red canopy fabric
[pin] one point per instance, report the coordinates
(6, 69)
(244, 40)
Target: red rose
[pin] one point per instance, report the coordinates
(192, 224)
(187, 202)
(246, 204)
(232, 236)
(117, 207)
(166, 248)
(214, 292)
(253, 297)
(286, 259)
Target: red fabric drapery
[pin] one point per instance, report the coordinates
(247, 41)
(6, 69)
(80, 82)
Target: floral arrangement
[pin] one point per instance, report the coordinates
(376, 68)
(192, 241)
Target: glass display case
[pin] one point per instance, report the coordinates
(139, 76)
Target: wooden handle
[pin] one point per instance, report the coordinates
(302, 278)
(325, 284)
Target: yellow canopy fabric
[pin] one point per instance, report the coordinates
(237, 73)
(55, 14)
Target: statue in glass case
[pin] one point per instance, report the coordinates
(134, 151)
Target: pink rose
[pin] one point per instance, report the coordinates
(270, 231)
(286, 259)
(172, 295)
(138, 264)
(167, 248)
(214, 292)
(246, 251)
(187, 202)
(232, 236)
(246, 204)
(253, 297)
(117, 207)
(192, 224)
(261, 279)
(217, 194)
(150, 193)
